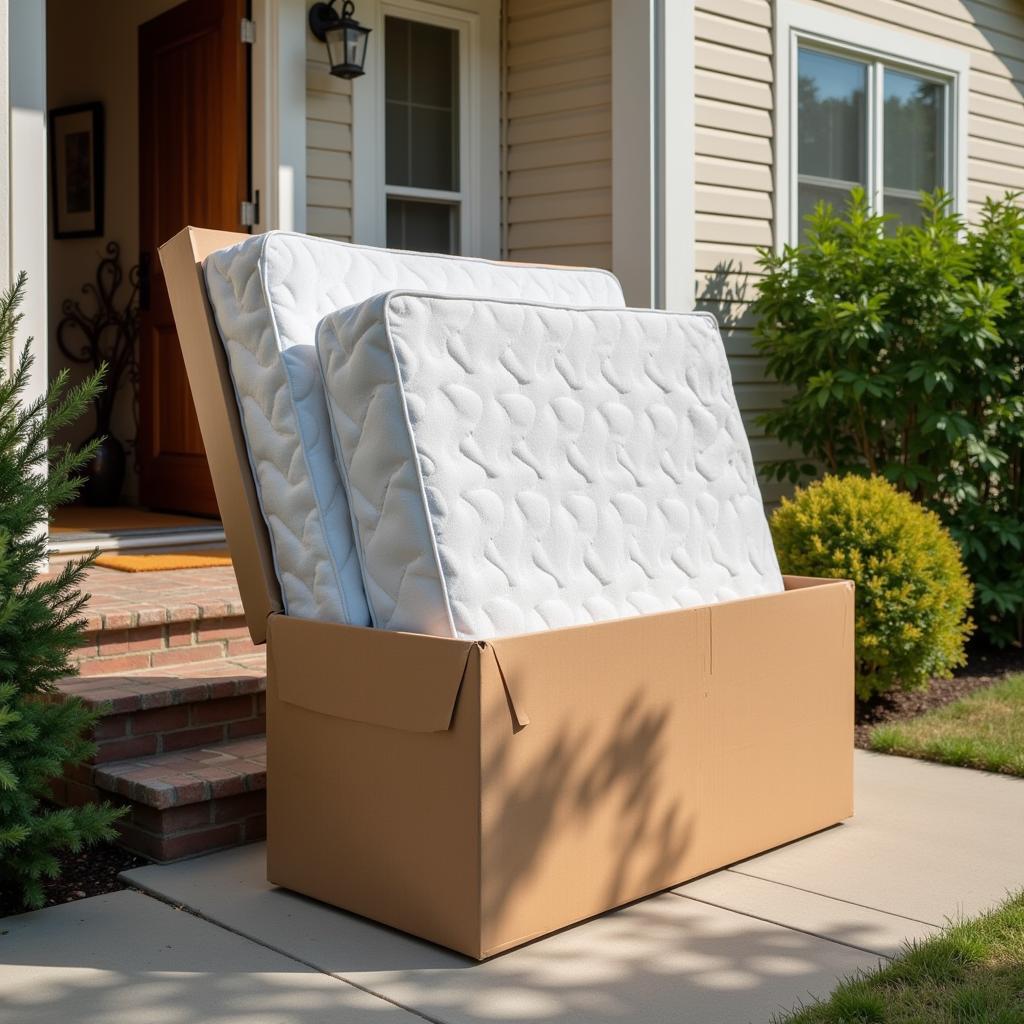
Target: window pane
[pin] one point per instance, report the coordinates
(906, 207)
(396, 58)
(433, 60)
(432, 149)
(396, 144)
(913, 141)
(809, 194)
(422, 226)
(421, 104)
(832, 118)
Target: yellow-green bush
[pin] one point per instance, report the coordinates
(912, 591)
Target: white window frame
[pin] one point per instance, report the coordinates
(800, 25)
(478, 193)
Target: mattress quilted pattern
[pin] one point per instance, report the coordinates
(514, 467)
(268, 294)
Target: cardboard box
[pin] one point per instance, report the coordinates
(483, 794)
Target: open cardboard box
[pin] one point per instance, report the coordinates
(483, 794)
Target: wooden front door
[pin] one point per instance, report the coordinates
(194, 169)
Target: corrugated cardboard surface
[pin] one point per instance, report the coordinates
(219, 422)
(380, 820)
(655, 749)
(480, 795)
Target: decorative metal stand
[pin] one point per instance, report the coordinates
(108, 335)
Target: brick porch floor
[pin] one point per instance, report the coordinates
(168, 657)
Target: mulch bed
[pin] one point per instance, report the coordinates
(985, 666)
(90, 872)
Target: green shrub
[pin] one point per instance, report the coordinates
(40, 624)
(905, 354)
(912, 591)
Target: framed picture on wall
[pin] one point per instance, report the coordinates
(76, 170)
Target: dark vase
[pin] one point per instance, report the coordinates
(104, 474)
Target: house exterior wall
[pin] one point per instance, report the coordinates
(328, 147)
(557, 141)
(733, 186)
(734, 145)
(558, 132)
(557, 171)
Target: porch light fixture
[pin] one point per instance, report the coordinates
(344, 36)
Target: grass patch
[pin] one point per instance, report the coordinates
(983, 730)
(972, 973)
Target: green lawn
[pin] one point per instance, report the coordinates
(984, 730)
(972, 973)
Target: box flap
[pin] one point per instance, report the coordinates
(398, 680)
(513, 695)
(803, 582)
(181, 259)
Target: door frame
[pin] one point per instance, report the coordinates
(277, 113)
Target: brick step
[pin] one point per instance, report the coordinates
(184, 802)
(161, 710)
(138, 621)
(181, 742)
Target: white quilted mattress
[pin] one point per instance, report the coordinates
(514, 467)
(268, 294)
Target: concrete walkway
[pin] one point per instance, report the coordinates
(928, 843)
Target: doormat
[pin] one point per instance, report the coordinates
(165, 561)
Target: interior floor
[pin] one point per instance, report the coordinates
(87, 519)
(78, 528)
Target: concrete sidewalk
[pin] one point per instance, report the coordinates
(928, 843)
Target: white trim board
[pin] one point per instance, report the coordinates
(478, 23)
(278, 114)
(5, 150)
(653, 230)
(127, 540)
(847, 34)
(28, 167)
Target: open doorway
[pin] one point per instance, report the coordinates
(171, 83)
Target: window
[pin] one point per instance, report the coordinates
(421, 135)
(867, 107)
(839, 124)
(426, 123)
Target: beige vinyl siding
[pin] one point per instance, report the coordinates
(558, 172)
(733, 188)
(733, 145)
(328, 147)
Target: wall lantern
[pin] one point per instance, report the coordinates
(344, 36)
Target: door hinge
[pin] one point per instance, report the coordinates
(248, 31)
(249, 211)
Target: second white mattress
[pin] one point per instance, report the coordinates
(514, 467)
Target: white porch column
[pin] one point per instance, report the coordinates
(279, 113)
(25, 149)
(652, 151)
(5, 142)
